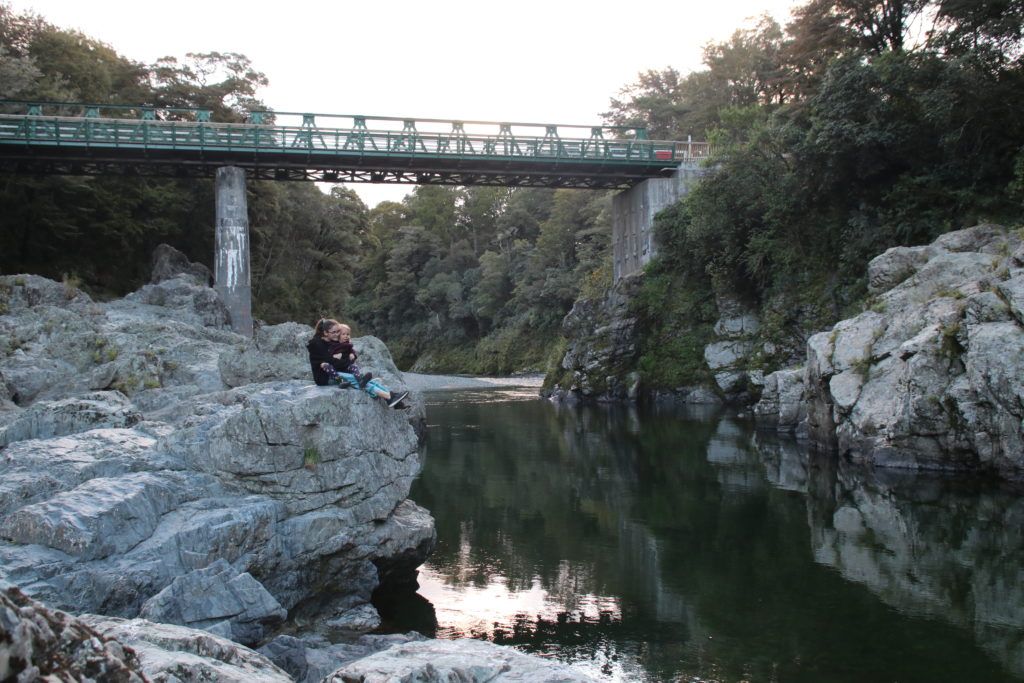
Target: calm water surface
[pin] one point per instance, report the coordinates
(664, 545)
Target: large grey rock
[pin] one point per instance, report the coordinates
(311, 659)
(894, 266)
(55, 350)
(727, 356)
(169, 264)
(219, 600)
(99, 518)
(181, 299)
(71, 415)
(19, 293)
(601, 352)
(443, 661)
(271, 493)
(931, 377)
(783, 403)
(275, 352)
(38, 643)
(297, 484)
(308, 446)
(176, 654)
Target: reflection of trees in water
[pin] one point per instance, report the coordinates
(670, 515)
(565, 477)
(580, 486)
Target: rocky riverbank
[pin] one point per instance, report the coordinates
(170, 475)
(928, 376)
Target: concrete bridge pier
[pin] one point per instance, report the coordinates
(231, 251)
(633, 242)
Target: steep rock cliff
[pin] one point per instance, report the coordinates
(930, 376)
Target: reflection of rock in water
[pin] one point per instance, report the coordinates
(640, 555)
(734, 461)
(402, 611)
(927, 546)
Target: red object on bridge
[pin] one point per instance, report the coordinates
(662, 154)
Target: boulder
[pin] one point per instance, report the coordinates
(727, 356)
(183, 300)
(156, 338)
(311, 659)
(299, 485)
(219, 600)
(600, 356)
(931, 376)
(178, 654)
(19, 293)
(39, 643)
(34, 470)
(782, 405)
(439, 661)
(147, 465)
(71, 415)
(894, 266)
(170, 264)
(275, 352)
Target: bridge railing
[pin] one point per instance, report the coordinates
(91, 126)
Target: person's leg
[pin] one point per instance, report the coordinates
(377, 390)
(345, 378)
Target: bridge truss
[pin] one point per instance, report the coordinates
(81, 139)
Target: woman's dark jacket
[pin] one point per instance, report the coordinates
(318, 354)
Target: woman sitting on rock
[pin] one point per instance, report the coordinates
(332, 369)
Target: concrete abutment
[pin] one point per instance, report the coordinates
(633, 210)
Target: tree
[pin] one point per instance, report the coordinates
(434, 208)
(305, 246)
(987, 31)
(223, 82)
(840, 27)
(749, 69)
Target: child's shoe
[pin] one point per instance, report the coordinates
(396, 400)
(365, 379)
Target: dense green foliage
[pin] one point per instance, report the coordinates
(851, 131)
(478, 279)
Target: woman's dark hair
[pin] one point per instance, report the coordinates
(322, 325)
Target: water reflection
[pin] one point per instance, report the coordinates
(929, 545)
(668, 545)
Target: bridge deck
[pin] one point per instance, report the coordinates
(180, 142)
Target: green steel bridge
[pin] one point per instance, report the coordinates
(84, 139)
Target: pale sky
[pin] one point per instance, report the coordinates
(554, 61)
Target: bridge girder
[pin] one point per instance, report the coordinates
(182, 169)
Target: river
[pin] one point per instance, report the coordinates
(666, 544)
